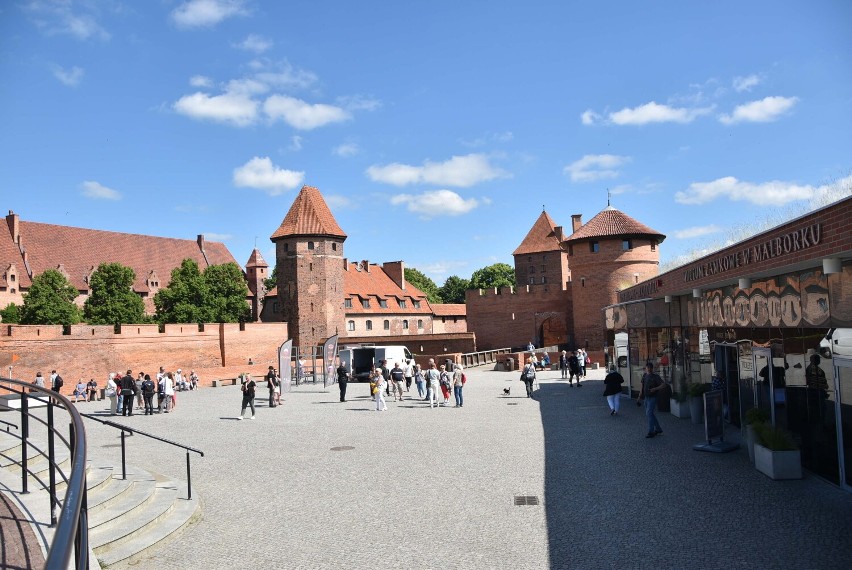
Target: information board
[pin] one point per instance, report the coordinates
(713, 415)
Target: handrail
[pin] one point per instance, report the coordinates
(8, 425)
(126, 429)
(469, 359)
(72, 528)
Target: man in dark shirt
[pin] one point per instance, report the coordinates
(248, 386)
(651, 385)
(573, 369)
(386, 375)
(270, 383)
(342, 380)
(128, 389)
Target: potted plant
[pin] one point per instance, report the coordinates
(753, 417)
(776, 454)
(696, 401)
(680, 403)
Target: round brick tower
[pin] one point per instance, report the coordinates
(611, 252)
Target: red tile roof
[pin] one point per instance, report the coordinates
(541, 237)
(613, 223)
(450, 309)
(256, 260)
(375, 284)
(308, 216)
(77, 252)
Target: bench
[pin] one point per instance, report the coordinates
(224, 382)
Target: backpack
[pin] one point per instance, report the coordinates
(464, 379)
(59, 381)
(148, 387)
(529, 372)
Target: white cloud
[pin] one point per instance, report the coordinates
(97, 191)
(655, 113)
(70, 77)
(66, 19)
(206, 13)
(301, 115)
(211, 236)
(260, 173)
(595, 167)
(766, 110)
(589, 117)
(200, 81)
(746, 83)
(697, 231)
(459, 171)
(775, 192)
(255, 43)
(346, 150)
(237, 109)
(359, 103)
(435, 203)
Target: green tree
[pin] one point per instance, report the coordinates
(496, 275)
(227, 292)
(184, 300)
(11, 314)
(453, 289)
(423, 283)
(112, 300)
(50, 301)
(272, 281)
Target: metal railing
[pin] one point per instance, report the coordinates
(125, 429)
(483, 357)
(71, 532)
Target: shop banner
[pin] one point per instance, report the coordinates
(329, 353)
(284, 366)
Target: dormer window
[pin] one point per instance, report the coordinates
(383, 303)
(347, 303)
(365, 303)
(401, 303)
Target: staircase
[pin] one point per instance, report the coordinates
(127, 517)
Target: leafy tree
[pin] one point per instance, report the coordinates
(112, 300)
(11, 314)
(183, 301)
(227, 291)
(272, 281)
(423, 283)
(496, 275)
(50, 301)
(453, 289)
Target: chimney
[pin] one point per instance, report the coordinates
(365, 263)
(396, 271)
(560, 235)
(14, 223)
(201, 242)
(576, 222)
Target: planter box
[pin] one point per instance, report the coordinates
(679, 409)
(778, 465)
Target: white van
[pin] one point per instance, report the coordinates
(836, 342)
(359, 360)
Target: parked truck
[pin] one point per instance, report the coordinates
(359, 360)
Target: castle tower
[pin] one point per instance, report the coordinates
(609, 253)
(309, 258)
(256, 272)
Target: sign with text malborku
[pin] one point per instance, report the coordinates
(791, 242)
(329, 352)
(284, 366)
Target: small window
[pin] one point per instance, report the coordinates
(386, 325)
(443, 319)
(310, 267)
(383, 303)
(529, 258)
(544, 269)
(12, 277)
(405, 324)
(626, 244)
(532, 269)
(347, 303)
(582, 281)
(653, 245)
(286, 247)
(544, 279)
(365, 303)
(369, 325)
(333, 246)
(401, 304)
(594, 246)
(310, 245)
(416, 304)
(419, 323)
(350, 326)
(532, 280)
(544, 258)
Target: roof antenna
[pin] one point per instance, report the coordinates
(608, 194)
(542, 208)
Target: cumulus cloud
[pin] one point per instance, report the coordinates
(595, 167)
(458, 171)
(746, 83)
(302, 115)
(435, 203)
(697, 231)
(254, 43)
(64, 18)
(589, 117)
(70, 77)
(234, 108)
(97, 191)
(260, 173)
(206, 13)
(766, 110)
(200, 81)
(775, 192)
(346, 150)
(655, 113)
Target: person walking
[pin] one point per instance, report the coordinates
(248, 385)
(528, 376)
(433, 377)
(39, 380)
(408, 372)
(342, 381)
(111, 392)
(380, 382)
(398, 379)
(270, 385)
(458, 384)
(56, 381)
(651, 385)
(168, 390)
(148, 395)
(445, 385)
(139, 379)
(128, 389)
(573, 369)
(612, 389)
(386, 375)
(419, 381)
(277, 390)
(563, 364)
(584, 360)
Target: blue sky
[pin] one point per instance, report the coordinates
(435, 130)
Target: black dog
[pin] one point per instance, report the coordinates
(506, 391)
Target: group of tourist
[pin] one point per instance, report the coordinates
(573, 365)
(384, 380)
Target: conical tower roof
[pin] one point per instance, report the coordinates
(308, 216)
(541, 237)
(256, 260)
(612, 223)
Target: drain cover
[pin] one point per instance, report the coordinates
(343, 448)
(512, 404)
(521, 500)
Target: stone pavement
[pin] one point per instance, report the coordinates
(435, 488)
